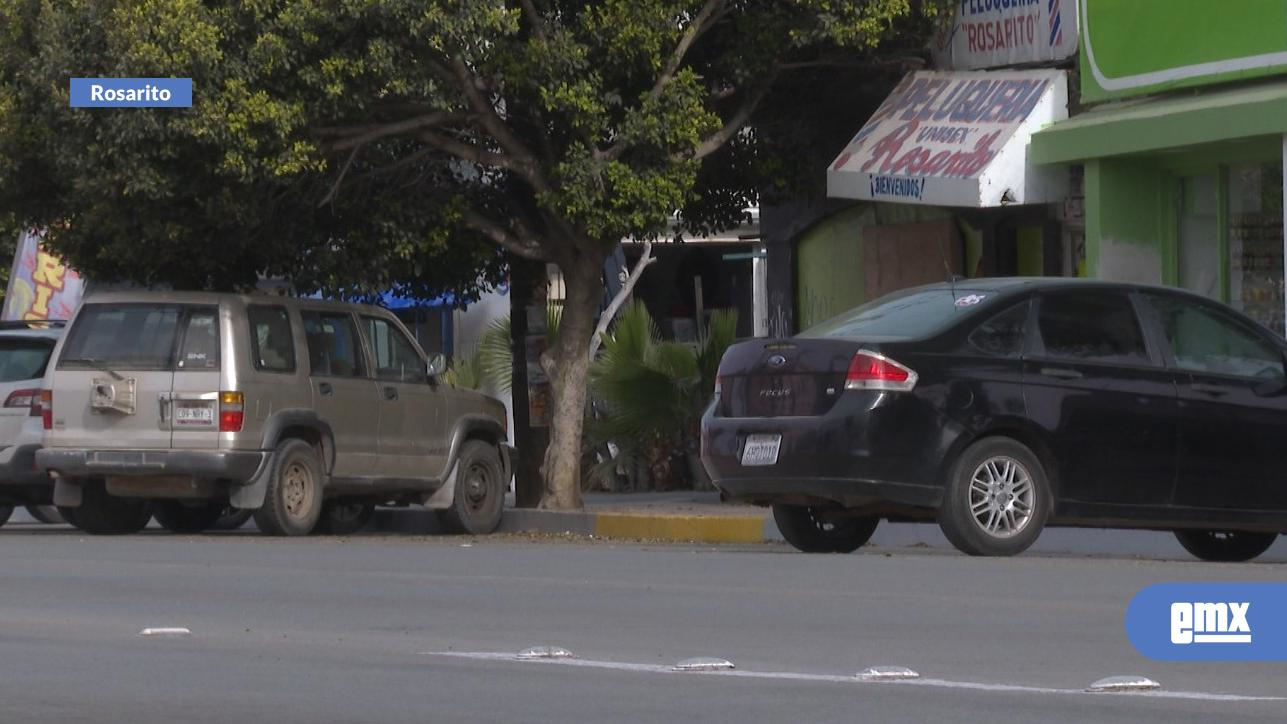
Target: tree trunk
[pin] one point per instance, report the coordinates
(568, 371)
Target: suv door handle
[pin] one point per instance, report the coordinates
(1061, 373)
(390, 393)
(1212, 390)
(325, 388)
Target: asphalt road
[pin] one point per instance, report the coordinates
(404, 628)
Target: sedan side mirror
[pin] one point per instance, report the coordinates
(437, 364)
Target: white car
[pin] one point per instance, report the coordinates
(25, 348)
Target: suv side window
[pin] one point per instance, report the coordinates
(1091, 327)
(395, 356)
(333, 346)
(1203, 340)
(272, 346)
(200, 347)
(1002, 335)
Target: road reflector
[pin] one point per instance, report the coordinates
(175, 631)
(704, 663)
(545, 652)
(1125, 683)
(887, 673)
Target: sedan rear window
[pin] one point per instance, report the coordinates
(23, 359)
(142, 337)
(903, 315)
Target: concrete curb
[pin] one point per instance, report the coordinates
(600, 524)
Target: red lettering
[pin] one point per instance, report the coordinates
(889, 146)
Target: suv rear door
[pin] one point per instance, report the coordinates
(344, 396)
(412, 408)
(194, 397)
(114, 377)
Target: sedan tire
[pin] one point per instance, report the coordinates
(179, 518)
(101, 513)
(1225, 546)
(809, 531)
(997, 499)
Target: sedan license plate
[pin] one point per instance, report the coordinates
(200, 414)
(761, 450)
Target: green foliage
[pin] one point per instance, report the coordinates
(652, 392)
(465, 372)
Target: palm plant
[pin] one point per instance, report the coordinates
(651, 392)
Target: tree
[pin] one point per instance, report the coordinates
(358, 145)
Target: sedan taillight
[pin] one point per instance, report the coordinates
(873, 371)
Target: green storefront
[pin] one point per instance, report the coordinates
(1183, 156)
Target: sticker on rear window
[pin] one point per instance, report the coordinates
(970, 300)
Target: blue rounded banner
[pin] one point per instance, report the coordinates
(1210, 622)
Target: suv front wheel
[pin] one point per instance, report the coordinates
(480, 491)
(293, 502)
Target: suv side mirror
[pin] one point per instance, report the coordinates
(437, 364)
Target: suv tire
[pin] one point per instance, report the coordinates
(344, 517)
(177, 517)
(1004, 482)
(480, 491)
(1225, 546)
(47, 514)
(101, 513)
(804, 528)
(5, 512)
(293, 502)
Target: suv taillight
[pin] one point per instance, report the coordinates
(872, 371)
(45, 405)
(232, 411)
(25, 398)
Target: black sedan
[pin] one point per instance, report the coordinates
(1000, 406)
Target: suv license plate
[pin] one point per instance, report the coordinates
(194, 415)
(761, 450)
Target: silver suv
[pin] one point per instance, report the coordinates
(310, 413)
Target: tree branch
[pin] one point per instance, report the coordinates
(691, 33)
(502, 236)
(472, 152)
(357, 136)
(335, 188)
(627, 287)
(716, 141)
(496, 126)
(534, 17)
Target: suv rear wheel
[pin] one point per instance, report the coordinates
(103, 514)
(810, 530)
(178, 517)
(1225, 546)
(293, 502)
(5, 512)
(996, 500)
(480, 491)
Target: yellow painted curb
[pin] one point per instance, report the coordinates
(700, 528)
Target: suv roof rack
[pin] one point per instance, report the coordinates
(33, 324)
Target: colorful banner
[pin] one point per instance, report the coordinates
(1146, 46)
(998, 33)
(40, 285)
(954, 139)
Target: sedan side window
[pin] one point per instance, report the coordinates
(1203, 340)
(1002, 335)
(1091, 327)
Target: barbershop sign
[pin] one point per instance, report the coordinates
(998, 33)
(955, 139)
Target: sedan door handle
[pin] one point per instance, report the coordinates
(390, 393)
(1212, 390)
(1061, 373)
(325, 388)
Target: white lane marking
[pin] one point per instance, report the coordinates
(842, 679)
(165, 632)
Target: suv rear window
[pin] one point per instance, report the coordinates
(142, 337)
(903, 315)
(23, 359)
